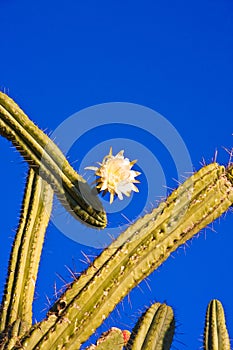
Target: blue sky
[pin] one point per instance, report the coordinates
(175, 58)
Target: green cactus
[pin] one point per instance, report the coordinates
(154, 329)
(45, 157)
(137, 252)
(216, 336)
(112, 339)
(16, 309)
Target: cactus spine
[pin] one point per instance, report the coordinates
(215, 336)
(45, 157)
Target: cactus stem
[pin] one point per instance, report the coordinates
(47, 159)
(26, 251)
(216, 336)
(154, 329)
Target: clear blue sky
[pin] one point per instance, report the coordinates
(175, 57)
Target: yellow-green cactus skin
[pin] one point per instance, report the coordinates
(112, 339)
(45, 157)
(216, 335)
(154, 329)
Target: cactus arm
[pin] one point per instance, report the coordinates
(215, 336)
(137, 252)
(112, 339)
(154, 329)
(47, 159)
(11, 335)
(26, 251)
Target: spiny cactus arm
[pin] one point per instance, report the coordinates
(26, 251)
(137, 252)
(154, 330)
(112, 339)
(10, 337)
(216, 336)
(47, 159)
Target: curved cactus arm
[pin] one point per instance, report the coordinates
(137, 252)
(47, 159)
(216, 336)
(154, 329)
(26, 251)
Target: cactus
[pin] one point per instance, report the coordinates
(215, 336)
(45, 157)
(16, 309)
(138, 251)
(112, 339)
(154, 329)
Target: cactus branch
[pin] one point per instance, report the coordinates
(215, 336)
(137, 252)
(112, 339)
(26, 251)
(154, 329)
(47, 159)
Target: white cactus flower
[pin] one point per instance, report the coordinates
(115, 175)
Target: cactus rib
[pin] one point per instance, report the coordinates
(154, 329)
(47, 159)
(26, 251)
(145, 244)
(215, 336)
